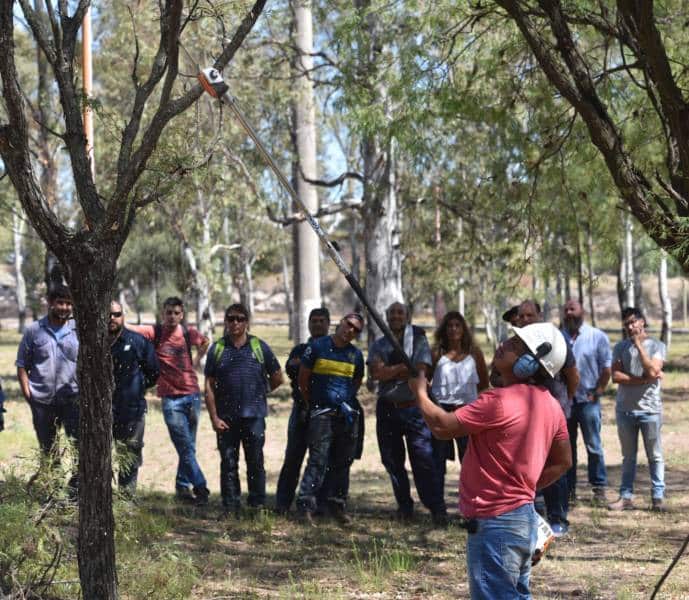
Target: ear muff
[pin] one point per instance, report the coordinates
(526, 366)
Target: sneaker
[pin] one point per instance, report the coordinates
(559, 529)
(658, 505)
(201, 495)
(621, 504)
(599, 497)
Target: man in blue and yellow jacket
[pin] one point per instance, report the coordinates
(329, 377)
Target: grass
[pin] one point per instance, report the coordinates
(167, 550)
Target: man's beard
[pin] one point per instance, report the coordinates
(60, 314)
(114, 330)
(573, 324)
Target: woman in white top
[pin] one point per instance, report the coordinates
(459, 375)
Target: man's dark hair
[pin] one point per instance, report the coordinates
(633, 311)
(237, 308)
(60, 292)
(320, 312)
(173, 301)
(536, 305)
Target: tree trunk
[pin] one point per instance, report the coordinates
(381, 233)
(628, 281)
(91, 281)
(591, 276)
(18, 231)
(289, 304)
(666, 303)
(308, 292)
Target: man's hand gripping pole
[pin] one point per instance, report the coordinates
(212, 81)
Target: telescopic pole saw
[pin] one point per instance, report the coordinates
(212, 81)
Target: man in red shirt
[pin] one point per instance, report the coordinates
(179, 391)
(518, 442)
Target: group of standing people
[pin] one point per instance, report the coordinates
(515, 440)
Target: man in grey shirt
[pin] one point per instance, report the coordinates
(47, 371)
(637, 368)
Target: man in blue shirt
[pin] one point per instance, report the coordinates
(591, 349)
(297, 428)
(47, 372)
(329, 377)
(398, 417)
(135, 367)
(240, 370)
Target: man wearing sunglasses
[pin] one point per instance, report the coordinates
(135, 367)
(240, 371)
(329, 377)
(179, 390)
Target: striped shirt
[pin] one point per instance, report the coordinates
(333, 371)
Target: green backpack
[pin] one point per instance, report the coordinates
(255, 344)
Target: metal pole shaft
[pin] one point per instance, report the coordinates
(227, 99)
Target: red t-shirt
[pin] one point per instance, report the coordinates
(511, 432)
(177, 375)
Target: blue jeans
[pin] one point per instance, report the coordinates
(499, 555)
(182, 419)
(251, 433)
(587, 415)
(393, 425)
(297, 444)
(628, 426)
(332, 448)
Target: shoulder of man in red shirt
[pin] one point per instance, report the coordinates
(499, 406)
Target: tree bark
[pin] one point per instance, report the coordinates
(665, 302)
(308, 292)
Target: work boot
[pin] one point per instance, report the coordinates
(599, 498)
(338, 513)
(201, 495)
(658, 505)
(621, 504)
(308, 519)
(184, 495)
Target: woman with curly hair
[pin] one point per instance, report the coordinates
(460, 374)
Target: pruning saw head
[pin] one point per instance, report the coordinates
(212, 81)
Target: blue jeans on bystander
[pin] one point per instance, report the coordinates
(587, 415)
(499, 555)
(181, 415)
(629, 424)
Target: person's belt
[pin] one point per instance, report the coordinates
(399, 405)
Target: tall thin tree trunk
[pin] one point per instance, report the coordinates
(18, 231)
(666, 303)
(308, 257)
(629, 261)
(289, 304)
(591, 276)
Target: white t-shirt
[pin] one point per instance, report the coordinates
(455, 383)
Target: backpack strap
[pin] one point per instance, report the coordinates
(255, 344)
(187, 340)
(219, 349)
(157, 334)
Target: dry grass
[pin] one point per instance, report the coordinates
(607, 555)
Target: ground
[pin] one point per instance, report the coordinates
(167, 550)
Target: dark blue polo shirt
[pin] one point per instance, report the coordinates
(135, 367)
(241, 380)
(333, 371)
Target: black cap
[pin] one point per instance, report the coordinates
(508, 315)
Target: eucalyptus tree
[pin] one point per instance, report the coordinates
(88, 248)
(622, 67)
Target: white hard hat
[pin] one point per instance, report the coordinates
(547, 344)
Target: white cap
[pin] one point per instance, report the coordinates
(537, 334)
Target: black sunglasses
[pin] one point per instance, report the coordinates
(117, 315)
(235, 319)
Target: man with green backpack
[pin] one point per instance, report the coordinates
(240, 371)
